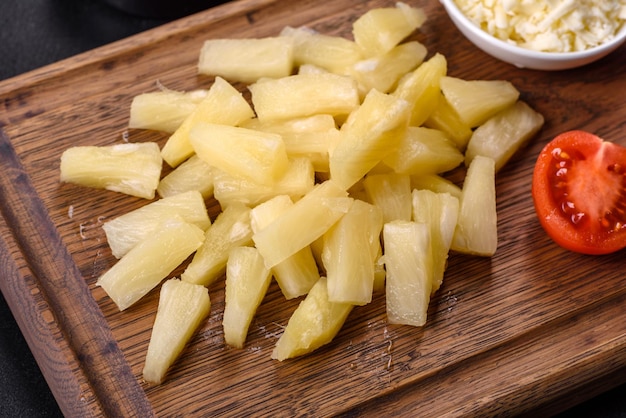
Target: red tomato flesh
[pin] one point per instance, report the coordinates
(579, 192)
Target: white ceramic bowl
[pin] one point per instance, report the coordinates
(526, 58)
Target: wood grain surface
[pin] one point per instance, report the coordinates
(506, 335)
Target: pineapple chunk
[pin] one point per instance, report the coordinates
(295, 126)
(309, 137)
(132, 168)
(503, 134)
(436, 184)
(247, 281)
(182, 308)
(304, 95)
(126, 231)
(408, 260)
(440, 211)
(421, 88)
(477, 227)
(314, 323)
(299, 179)
(424, 151)
(446, 119)
(247, 60)
(383, 72)
(163, 110)
(193, 174)
(331, 53)
(223, 104)
(314, 146)
(371, 133)
(230, 229)
(254, 155)
(379, 30)
(265, 213)
(150, 261)
(351, 247)
(391, 193)
(297, 273)
(475, 101)
(304, 222)
(311, 69)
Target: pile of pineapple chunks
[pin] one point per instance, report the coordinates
(330, 178)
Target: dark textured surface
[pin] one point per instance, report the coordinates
(34, 33)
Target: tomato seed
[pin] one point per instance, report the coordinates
(577, 217)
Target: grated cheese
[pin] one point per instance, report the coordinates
(548, 25)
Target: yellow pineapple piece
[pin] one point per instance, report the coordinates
(371, 133)
(247, 60)
(424, 151)
(192, 174)
(297, 273)
(131, 168)
(311, 69)
(477, 227)
(298, 179)
(378, 30)
(314, 323)
(381, 167)
(295, 126)
(421, 88)
(314, 146)
(309, 137)
(254, 155)
(436, 184)
(307, 220)
(391, 193)
(182, 308)
(163, 110)
(331, 53)
(383, 72)
(304, 95)
(440, 211)
(230, 229)
(247, 281)
(475, 101)
(350, 251)
(446, 119)
(150, 261)
(503, 134)
(127, 230)
(408, 261)
(223, 104)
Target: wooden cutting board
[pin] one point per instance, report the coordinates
(522, 330)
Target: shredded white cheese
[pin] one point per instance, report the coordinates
(548, 25)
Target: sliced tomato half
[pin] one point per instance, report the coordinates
(579, 192)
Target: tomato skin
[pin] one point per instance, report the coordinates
(579, 193)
